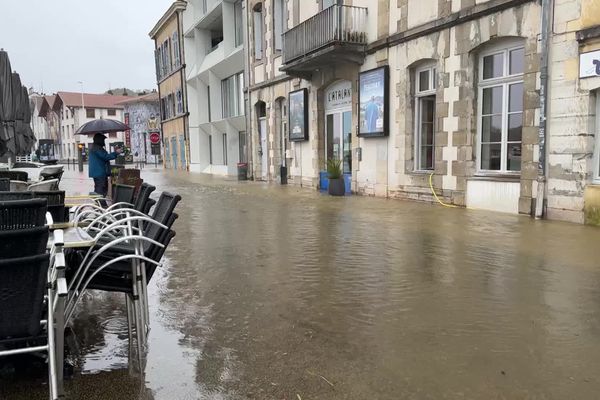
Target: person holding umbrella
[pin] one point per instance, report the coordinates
(99, 164)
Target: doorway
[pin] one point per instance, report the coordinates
(264, 151)
(174, 152)
(338, 126)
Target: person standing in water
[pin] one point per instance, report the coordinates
(99, 164)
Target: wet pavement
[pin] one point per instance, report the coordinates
(272, 292)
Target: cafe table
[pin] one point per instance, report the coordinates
(74, 238)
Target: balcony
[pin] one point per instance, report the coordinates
(336, 34)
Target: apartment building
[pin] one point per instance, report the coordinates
(170, 76)
(214, 57)
(416, 96)
(39, 126)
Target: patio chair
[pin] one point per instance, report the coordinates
(14, 175)
(123, 193)
(48, 174)
(23, 242)
(4, 184)
(143, 197)
(28, 312)
(56, 204)
(6, 196)
(21, 214)
(18, 186)
(43, 186)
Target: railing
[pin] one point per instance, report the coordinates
(341, 24)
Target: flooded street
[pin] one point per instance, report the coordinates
(271, 292)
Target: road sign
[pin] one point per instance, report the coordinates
(155, 149)
(154, 138)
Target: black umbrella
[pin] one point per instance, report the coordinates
(6, 104)
(15, 120)
(101, 126)
(28, 134)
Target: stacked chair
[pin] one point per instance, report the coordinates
(4, 184)
(33, 289)
(129, 244)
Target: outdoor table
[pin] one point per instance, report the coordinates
(74, 238)
(61, 225)
(74, 201)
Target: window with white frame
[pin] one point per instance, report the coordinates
(425, 85)
(239, 23)
(258, 31)
(500, 108)
(232, 91)
(176, 52)
(179, 96)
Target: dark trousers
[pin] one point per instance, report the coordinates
(101, 186)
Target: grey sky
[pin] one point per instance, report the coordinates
(60, 42)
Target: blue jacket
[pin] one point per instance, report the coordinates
(99, 162)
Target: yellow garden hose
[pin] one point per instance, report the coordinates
(436, 196)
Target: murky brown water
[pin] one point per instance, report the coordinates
(273, 292)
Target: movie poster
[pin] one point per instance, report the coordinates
(298, 115)
(373, 97)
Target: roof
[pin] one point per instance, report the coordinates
(46, 106)
(148, 98)
(73, 99)
(177, 5)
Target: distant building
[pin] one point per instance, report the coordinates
(142, 114)
(74, 109)
(52, 122)
(170, 76)
(214, 58)
(39, 125)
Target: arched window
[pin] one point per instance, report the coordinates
(257, 12)
(500, 107)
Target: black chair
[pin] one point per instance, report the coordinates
(22, 287)
(14, 175)
(148, 206)
(21, 214)
(45, 176)
(143, 197)
(7, 196)
(23, 242)
(4, 185)
(56, 204)
(123, 193)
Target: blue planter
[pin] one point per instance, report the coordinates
(348, 183)
(323, 181)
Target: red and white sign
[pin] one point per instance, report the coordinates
(154, 138)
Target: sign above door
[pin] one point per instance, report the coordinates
(338, 96)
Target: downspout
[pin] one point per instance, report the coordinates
(247, 106)
(545, 46)
(183, 83)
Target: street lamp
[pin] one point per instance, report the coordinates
(79, 145)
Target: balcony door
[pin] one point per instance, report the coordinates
(338, 124)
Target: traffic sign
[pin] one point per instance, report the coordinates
(154, 138)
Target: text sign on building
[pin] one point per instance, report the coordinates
(339, 95)
(127, 132)
(589, 64)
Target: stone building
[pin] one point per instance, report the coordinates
(170, 76)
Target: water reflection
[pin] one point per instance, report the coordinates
(271, 292)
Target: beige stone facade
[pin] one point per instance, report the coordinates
(456, 39)
(170, 72)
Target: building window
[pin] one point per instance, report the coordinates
(327, 3)
(278, 23)
(90, 113)
(239, 23)
(258, 31)
(224, 149)
(242, 147)
(210, 158)
(209, 100)
(179, 96)
(232, 95)
(112, 112)
(176, 53)
(500, 109)
(158, 63)
(425, 85)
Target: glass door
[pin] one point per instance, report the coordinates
(339, 138)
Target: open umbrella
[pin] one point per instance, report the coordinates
(101, 126)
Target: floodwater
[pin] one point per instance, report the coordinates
(272, 292)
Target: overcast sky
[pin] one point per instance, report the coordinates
(56, 43)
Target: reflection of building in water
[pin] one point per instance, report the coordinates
(462, 100)
(142, 112)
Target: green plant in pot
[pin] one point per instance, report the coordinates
(336, 179)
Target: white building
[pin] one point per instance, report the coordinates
(39, 125)
(214, 58)
(75, 109)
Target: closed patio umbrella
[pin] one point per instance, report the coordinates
(6, 104)
(15, 143)
(28, 134)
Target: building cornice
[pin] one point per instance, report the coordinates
(178, 5)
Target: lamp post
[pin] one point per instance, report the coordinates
(79, 145)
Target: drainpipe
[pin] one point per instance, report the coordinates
(545, 45)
